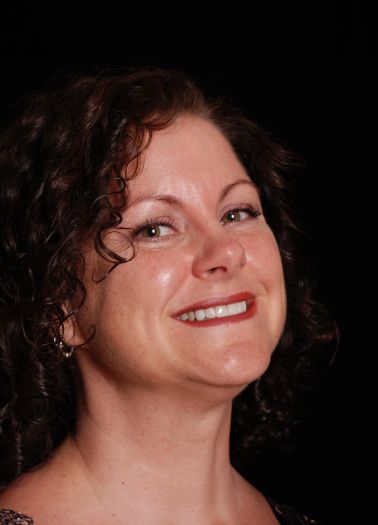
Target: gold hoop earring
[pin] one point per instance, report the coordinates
(65, 350)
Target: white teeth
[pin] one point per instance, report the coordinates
(224, 310)
(210, 313)
(235, 308)
(200, 315)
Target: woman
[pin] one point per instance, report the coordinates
(151, 304)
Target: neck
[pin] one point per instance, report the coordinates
(137, 445)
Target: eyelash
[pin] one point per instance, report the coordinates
(164, 221)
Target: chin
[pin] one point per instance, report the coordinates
(236, 370)
(236, 373)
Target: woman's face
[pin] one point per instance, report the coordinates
(204, 252)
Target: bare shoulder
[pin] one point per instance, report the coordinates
(256, 508)
(34, 497)
(21, 496)
(49, 493)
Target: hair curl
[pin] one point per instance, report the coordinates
(59, 161)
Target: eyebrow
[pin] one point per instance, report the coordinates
(171, 199)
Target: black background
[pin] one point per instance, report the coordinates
(323, 107)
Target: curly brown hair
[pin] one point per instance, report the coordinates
(62, 161)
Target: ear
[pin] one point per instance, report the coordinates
(72, 334)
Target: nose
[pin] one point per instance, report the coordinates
(219, 255)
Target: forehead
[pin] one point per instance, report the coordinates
(190, 155)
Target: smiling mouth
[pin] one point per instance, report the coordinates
(222, 314)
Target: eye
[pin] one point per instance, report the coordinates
(153, 228)
(235, 214)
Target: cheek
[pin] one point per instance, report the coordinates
(158, 271)
(141, 289)
(263, 254)
(264, 258)
(149, 275)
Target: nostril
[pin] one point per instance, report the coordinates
(212, 270)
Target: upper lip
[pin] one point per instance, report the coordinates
(215, 301)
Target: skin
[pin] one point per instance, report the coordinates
(156, 395)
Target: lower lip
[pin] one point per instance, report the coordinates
(250, 312)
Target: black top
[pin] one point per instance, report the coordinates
(288, 516)
(284, 514)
